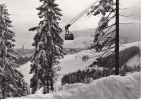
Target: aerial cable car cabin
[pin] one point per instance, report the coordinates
(68, 34)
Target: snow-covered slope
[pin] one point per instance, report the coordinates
(71, 63)
(74, 62)
(112, 87)
(24, 69)
(135, 61)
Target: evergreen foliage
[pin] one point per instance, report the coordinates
(84, 76)
(11, 80)
(85, 57)
(22, 60)
(124, 56)
(48, 47)
(104, 36)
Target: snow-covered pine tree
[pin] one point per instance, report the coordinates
(48, 47)
(104, 36)
(11, 80)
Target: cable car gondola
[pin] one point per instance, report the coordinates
(68, 34)
(69, 37)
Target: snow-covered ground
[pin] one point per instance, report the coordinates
(135, 61)
(112, 87)
(24, 69)
(68, 64)
(73, 62)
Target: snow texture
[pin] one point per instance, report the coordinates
(24, 69)
(112, 87)
(135, 61)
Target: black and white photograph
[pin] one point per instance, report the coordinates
(70, 49)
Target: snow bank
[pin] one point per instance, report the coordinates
(112, 87)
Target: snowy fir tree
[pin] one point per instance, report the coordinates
(104, 36)
(48, 47)
(11, 80)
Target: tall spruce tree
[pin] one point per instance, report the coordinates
(11, 80)
(48, 47)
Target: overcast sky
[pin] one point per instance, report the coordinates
(24, 16)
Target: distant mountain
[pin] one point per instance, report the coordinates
(133, 12)
(132, 29)
(24, 52)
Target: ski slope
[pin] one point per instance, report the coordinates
(112, 87)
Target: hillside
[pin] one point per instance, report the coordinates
(71, 63)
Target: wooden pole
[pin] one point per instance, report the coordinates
(117, 40)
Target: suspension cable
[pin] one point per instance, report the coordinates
(81, 14)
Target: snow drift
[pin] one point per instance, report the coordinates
(112, 87)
